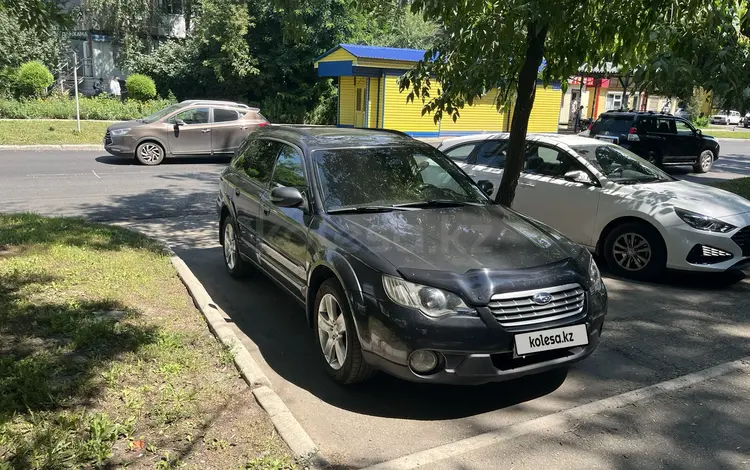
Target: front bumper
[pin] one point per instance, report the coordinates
(682, 242)
(120, 146)
(472, 349)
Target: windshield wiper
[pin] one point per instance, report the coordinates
(363, 209)
(438, 203)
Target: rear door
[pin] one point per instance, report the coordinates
(544, 194)
(254, 169)
(226, 131)
(664, 139)
(283, 242)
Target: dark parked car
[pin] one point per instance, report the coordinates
(660, 138)
(402, 263)
(189, 128)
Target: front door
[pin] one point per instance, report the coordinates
(359, 105)
(283, 244)
(544, 194)
(190, 132)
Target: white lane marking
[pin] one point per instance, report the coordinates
(429, 456)
(92, 171)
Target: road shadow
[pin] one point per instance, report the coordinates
(734, 165)
(128, 161)
(276, 324)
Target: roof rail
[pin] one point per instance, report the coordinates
(227, 103)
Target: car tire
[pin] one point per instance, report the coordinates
(235, 265)
(654, 158)
(635, 250)
(336, 336)
(705, 162)
(149, 153)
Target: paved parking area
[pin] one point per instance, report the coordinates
(654, 333)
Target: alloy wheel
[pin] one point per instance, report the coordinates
(631, 251)
(706, 160)
(230, 245)
(332, 331)
(150, 153)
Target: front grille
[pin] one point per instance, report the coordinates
(107, 138)
(742, 239)
(519, 309)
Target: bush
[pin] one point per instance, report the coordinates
(140, 87)
(701, 121)
(101, 108)
(33, 79)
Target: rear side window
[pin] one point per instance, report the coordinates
(492, 154)
(257, 159)
(462, 152)
(613, 124)
(225, 115)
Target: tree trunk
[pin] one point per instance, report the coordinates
(525, 93)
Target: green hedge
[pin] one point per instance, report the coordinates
(140, 87)
(91, 108)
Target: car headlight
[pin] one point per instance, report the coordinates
(120, 131)
(703, 222)
(431, 301)
(594, 274)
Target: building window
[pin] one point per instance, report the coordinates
(359, 99)
(172, 7)
(614, 100)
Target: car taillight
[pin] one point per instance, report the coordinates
(591, 124)
(633, 134)
(262, 124)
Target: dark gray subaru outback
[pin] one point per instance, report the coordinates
(402, 263)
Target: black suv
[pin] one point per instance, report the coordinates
(403, 264)
(660, 138)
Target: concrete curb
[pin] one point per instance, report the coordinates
(67, 147)
(302, 446)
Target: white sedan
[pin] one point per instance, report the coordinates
(727, 118)
(618, 205)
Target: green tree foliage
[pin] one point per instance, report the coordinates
(140, 87)
(32, 79)
(39, 15)
(393, 26)
(19, 44)
(503, 44)
(703, 49)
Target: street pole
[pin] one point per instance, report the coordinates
(75, 86)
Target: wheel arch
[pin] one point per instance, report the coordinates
(620, 221)
(331, 265)
(152, 139)
(224, 214)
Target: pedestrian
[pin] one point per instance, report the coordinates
(114, 86)
(576, 118)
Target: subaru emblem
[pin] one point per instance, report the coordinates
(542, 298)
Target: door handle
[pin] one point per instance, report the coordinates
(236, 192)
(266, 210)
(527, 185)
(204, 131)
(243, 128)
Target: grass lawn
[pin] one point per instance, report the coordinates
(106, 363)
(727, 134)
(28, 132)
(739, 186)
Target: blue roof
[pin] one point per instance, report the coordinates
(374, 52)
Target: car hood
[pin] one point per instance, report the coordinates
(693, 197)
(126, 124)
(456, 239)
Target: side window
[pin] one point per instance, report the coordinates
(289, 169)
(259, 156)
(683, 128)
(492, 154)
(238, 162)
(462, 152)
(665, 126)
(647, 124)
(191, 116)
(547, 161)
(225, 115)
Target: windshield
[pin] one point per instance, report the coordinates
(161, 113)
(391, 176)
(620, 165)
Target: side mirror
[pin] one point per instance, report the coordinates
(486, 186)
(286, 197)
(698, 132)
(578, 176)
(179, 122)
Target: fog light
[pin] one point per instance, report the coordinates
(423, 361)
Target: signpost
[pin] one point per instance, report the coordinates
(75, 87)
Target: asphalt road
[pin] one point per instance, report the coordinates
(574, 419)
